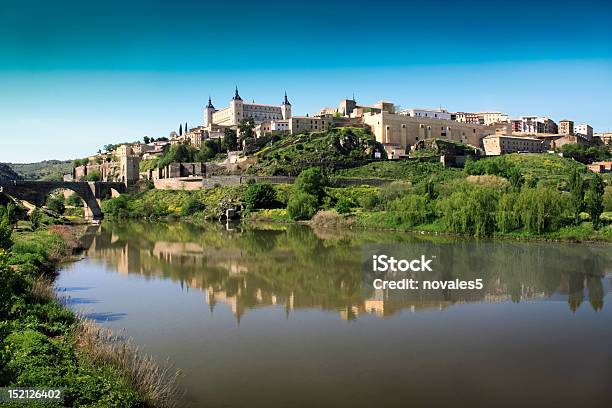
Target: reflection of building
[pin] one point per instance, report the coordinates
(249, 272)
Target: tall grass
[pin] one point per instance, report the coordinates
(158, 384)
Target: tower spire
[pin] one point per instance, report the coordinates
(286, 101)
(236, 96)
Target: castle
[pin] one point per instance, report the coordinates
(238, 110)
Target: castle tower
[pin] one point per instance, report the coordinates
(286, 108)
(208, 113)
(236, 109)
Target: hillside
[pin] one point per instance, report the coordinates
(293, 153)
(45, 170)
(6, 173)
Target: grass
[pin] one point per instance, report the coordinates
(43, 343)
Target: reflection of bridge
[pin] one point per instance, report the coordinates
(36, 192)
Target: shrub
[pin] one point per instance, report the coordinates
(6, 230)
(302, 206)
(343, 206)
(470, 211)
(191, 206)
(413, 209)
(93, 176)
(260, 195)
(540, 209)
(312, 181)
(55, 203)
(36, 218)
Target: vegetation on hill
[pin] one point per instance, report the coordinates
(48, 170)
(585, 154)
(291, 154)
(7, 173)
(181, 153)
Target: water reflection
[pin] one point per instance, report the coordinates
(296, 267)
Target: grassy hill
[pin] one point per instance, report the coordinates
(51, 170)
(293, 153)
(6, 173)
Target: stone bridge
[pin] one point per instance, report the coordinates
(36, 192)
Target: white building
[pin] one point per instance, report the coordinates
(584, 130)
(238, 110)
(489, 118)
(426, 113)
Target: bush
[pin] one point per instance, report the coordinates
(74, 200)
(413, 209)
(302, 206)
(343, 206)
(55, 203)
(260, 195)
(191, 206)
(470, 211)
(6, 230)
(312, 181)
(93, 176)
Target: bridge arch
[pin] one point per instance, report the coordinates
(36, 192)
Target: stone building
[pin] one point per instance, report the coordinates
(566, 127)
(239, 109)
(495, 145)
(403, 131)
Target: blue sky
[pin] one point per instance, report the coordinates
(77, 75)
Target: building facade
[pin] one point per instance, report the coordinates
(426, 113)
(584, 130)
(239, 109)
(566, 127)
(495, 145)
(404, 131)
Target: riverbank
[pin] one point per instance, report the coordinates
(44, 344)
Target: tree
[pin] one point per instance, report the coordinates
(576, 185)
(146, 140)
(36, 218)
(260, 195)
(593, 200)
(56, 203)
(230, 139)
(180, 130)
(312, 181)
(301, 205)
(93, 176)
(246, 128)
(6, 229)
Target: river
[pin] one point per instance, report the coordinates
(284, 316)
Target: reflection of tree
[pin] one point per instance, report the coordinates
(293, 267)
(596, 292)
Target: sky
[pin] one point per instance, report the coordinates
(77, 75)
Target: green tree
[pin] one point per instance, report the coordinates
(146, 140)
(230, 140)
(36, 218)
(93, 176)
(593, 200)
(208, 150)
(576, 185)
(74, 200)
(343, 206)
(246, 128)
(6, 229)
(312, 181)
(260, 195)
(55, 203)
(301, 205)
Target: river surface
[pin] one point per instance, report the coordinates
(285, 316)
